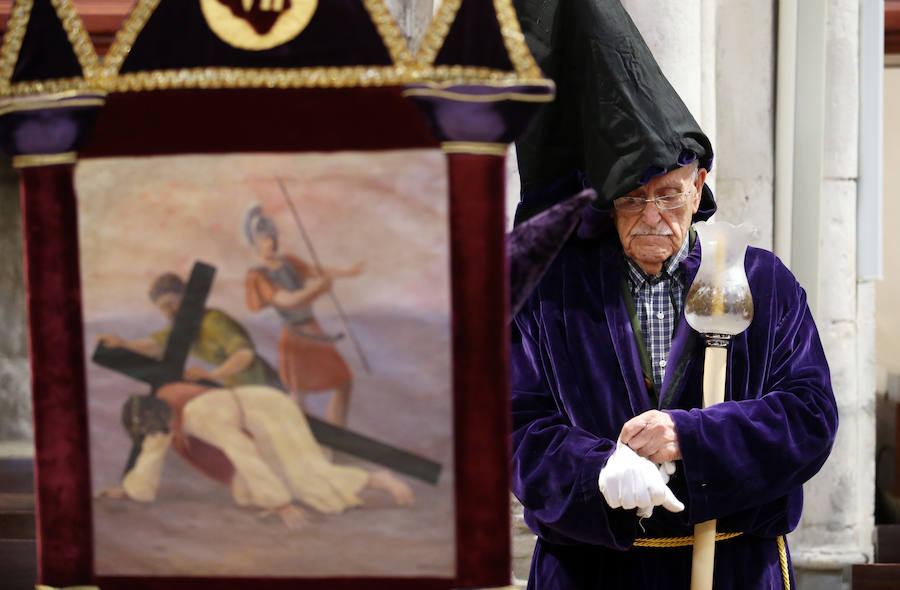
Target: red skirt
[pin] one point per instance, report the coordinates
(307, 364)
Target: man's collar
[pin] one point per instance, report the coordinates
(670, 267)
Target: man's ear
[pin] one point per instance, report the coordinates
(698, 184)
(701, 178)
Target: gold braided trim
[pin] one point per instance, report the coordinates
(437, 32)
(32, 160)
(390, 33)
(12, 41)
(315, 77)
(782, 557)
(43, 102)
(319, 77)
(127, 35)
(679, 541)
(43, 587)
(99, 79)
(514, 41)
(468, 74)
(55, 86)
(78, 37)
(474, 147)
(463, 97)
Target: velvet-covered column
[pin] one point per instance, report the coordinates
(474, 124)
(480, 371)
(53, 295)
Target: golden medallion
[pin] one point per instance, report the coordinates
(257, 24)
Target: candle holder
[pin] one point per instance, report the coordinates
(719, 306)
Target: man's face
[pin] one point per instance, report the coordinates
(168, 303)
(651, 236)
(265, 246)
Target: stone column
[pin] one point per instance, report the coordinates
(836, 528)
(745, 84)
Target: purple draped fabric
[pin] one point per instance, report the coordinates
(576, 379)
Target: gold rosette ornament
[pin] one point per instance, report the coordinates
(257, 24)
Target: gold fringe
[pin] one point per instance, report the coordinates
(474, 147)
(679, 541)
(44, 587)
(32, 160)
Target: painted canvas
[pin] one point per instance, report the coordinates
(269, 367)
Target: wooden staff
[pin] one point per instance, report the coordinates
(715, 363)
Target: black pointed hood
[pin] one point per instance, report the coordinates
(616, 122)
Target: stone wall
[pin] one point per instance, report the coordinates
(15, 392)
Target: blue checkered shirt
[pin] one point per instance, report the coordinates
(658, 301)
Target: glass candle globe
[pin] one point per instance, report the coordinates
(719, 300)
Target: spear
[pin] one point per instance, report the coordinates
(318, 265)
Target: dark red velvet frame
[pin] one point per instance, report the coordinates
(182, 121)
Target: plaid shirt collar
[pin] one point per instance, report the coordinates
(670, 269)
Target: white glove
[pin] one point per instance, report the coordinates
(666, 470)
(631, 481)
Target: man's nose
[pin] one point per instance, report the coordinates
(650, 215)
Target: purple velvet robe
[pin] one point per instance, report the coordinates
(576, 379)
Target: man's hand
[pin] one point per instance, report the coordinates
(197, 374)
(652, 435)
(629, 481)
(110, 341)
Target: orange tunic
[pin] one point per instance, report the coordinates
(307, 361)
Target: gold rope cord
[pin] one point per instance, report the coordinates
(390, 33)
(437, 32)
(782, 557)
(514, 41)
(32, 160)
(319, 77)
(462, 97)
(12, 41)
(78, 37)
(126, 37)
(474, 147)
(679, 541)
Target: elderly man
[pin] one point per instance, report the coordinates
(613, 458)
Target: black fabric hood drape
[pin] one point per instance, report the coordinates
(616, 122)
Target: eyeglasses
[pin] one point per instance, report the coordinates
(637, 204)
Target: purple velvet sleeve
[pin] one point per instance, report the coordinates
(754, 449)
(555, 464)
